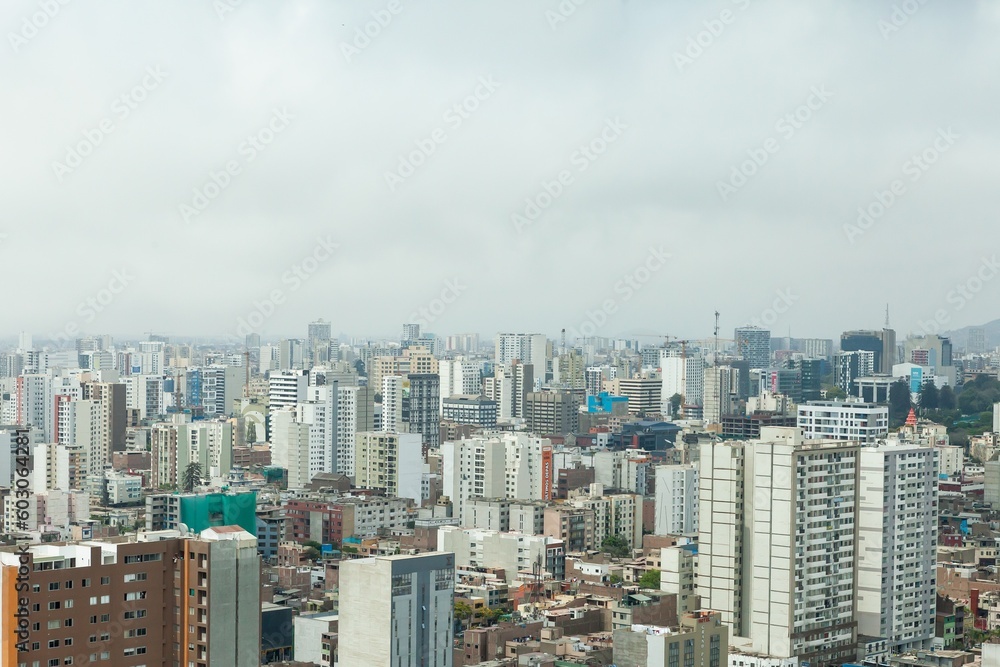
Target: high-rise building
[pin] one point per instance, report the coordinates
(754, 345)
(682, 375)
(389, 462)
(701, 638)
(860, 422)
(720, 392)
(525, 348)
(287, 388)
(355, 413)
(676, 500)
(119, 602)
(509, 386)
(392, 402)
(644, 394)
(411, 333)
(849, 366)
(397, 611)
(897, 538)
(424, 409)
(810, 376)
(459, 377)
(977, 340)
(777, 542)
(469, 409)
(552, 412)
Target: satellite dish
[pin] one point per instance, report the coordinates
(183, 528)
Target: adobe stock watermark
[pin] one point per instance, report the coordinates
(225, 7)
(89, 308)
(363, 35)
(786, 126)
(453, 118)
(782, 303)
(581, 159)
(625, 289)
(703, 40)
(121, 108)
(30, 25)
(248, 150)
(900, 16)
(914, 168)
(428, 314)
(292, 280)
(961, 295)
(562, 12)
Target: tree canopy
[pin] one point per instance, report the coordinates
(616, 545)
(651, 579)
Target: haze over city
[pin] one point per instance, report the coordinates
(839, 101)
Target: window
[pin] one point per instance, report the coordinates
(105, 618)
(105, 581)
(53, 585)
(53, 625)
(55, 605)
(53, 643)
(85, 583)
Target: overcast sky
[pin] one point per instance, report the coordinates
(184, 85)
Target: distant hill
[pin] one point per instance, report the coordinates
(960, 337)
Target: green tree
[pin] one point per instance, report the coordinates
(463, 612)
(929, 397)
(899, 402)
(191, 476)
(616, 545)
(835, 393)
(251, 433)
(675, 404)
(946, 398)
(614, 579)
(651, 579)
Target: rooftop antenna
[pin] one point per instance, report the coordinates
(716, 335)
(887, 316)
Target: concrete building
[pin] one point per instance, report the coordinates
(684, 376)
(389, 462)
(615, 515)
(676, 500)
(525, 348)
(897, 544)
(355, 413)
(677, 576)
(105, 601)
(571, 525)
(754, 345)
(720, 392)
(509, 386)
(701, 640)
(552, 412)
(511, 552)
(459, 377)
(859, 422)
(397, 611)
(776, 548)
(286, 388)
(470, 409)
(644, 394)
(424, 407)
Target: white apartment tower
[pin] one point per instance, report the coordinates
(676, 500)
(897, 538)
(355, 413)
(777, 542)
(286, 388)
(855, 421)
(526, 348)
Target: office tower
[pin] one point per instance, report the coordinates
(411, 333)
(676, 500)
(552, 412)
(754, 345)
(252, 342)
(777, 540)
(214, 388)
(868, 341)
(286, 388)
(684, 376)
(397, 611)
(811, 376)
(476, 410)
(389, 462)
(424, 413)
(860, 422)
(291, 354)
(355, 413)
(644, 394)
(318, 338)
(848, 366)
(815, 347)
(781, 381)
(509, 386)
(720, 393)
(897, 538)
(977, 340)
(112, 602)
(459, 377)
